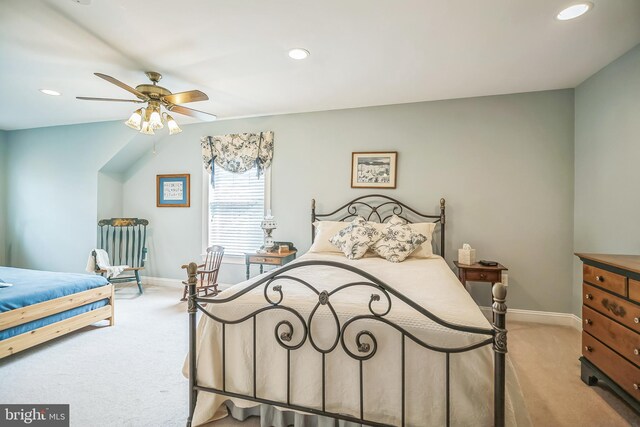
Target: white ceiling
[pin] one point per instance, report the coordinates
(363, 52)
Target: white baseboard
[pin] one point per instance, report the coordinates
(162, 281)
(544, 317)
(171, 283)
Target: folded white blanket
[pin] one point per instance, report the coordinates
(102, 259)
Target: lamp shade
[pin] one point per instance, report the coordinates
(155, 120)
(135, 120)
(172, 125)
(146, 128)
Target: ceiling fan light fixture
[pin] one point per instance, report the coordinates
(135, 120)
(151, 117)
(172, 125)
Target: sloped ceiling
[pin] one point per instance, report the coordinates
(363, 52)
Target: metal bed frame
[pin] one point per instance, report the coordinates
(365, 346)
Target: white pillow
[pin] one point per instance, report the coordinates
(325, 230)
(398, 240)
(355, 240)
(425, 250)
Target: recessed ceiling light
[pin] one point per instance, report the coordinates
(50, 92)
(574, 11)
(298, 53)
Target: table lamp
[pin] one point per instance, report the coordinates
(268, 224)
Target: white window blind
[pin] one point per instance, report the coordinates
(236, 208)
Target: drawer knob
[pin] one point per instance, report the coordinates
(636, 351)
(588, 348)
(589, 296)
(600, 278)
(636, 320)
(636, 386)
(587, 321)
(483, 276)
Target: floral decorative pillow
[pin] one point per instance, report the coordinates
(325, 230)
(355, 239)
(425, 250)
(398, 241)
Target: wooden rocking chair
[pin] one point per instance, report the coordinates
(124, 239)
(208, 282)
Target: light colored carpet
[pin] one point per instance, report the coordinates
(129, 375)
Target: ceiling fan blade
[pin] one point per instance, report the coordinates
(184, 97)
(191, 112)
(89, 98)
(123, 86)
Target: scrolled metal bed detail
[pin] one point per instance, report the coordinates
(293, 333)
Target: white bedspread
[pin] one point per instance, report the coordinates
(428, 282)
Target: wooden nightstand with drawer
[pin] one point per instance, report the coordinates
(268, 258)
(611, 323)
(479, 273)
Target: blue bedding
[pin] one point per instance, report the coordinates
(32, 286)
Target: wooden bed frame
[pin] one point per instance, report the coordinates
(371, 207)
(19, 316)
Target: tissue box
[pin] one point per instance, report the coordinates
(467, 256)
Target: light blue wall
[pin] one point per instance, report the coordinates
(607, 154)
(52, 198)
(504, 164)
(109, 195)
(3, 196)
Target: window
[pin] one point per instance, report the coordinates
(236, 206)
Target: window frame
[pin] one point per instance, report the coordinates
(206, 186)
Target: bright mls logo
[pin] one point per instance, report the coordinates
(34, 415)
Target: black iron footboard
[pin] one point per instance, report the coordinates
(365, 341)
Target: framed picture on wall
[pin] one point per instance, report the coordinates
(374, 169)
(173, 191)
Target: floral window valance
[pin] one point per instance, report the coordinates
(238, 152)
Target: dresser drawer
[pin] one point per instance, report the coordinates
(605, 279)
(621, 339)
(483, 276)
(265, 260)
(634, 290)
(613, 365)
(611, 306)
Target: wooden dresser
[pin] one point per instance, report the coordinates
(611, 323)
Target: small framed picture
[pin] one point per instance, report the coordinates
(173, 191)
(374, 170)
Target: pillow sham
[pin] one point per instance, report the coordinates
(325, 230)
(425, 250)
(398, 241)
(355, 240)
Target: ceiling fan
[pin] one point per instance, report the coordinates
(151, 118)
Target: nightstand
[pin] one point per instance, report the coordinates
(479, 273)
(268, 258)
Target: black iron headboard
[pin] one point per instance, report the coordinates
(381, 208)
